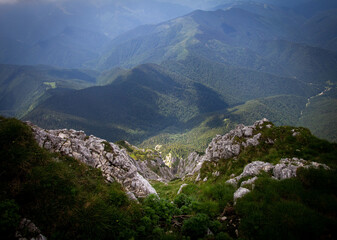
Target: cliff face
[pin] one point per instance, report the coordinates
(115, 163)
(224, 147)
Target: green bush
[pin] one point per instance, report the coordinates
(182, 200)
(196, 226)
(300, 208)
(9, 218)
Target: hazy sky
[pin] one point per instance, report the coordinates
(16, 1)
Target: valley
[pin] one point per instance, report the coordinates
(159, 119)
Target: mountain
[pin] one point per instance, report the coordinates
(320, 29)
(249, 56)
(136, 105)
(242, 181)
(71, 33)
(258, 38)
(237, 84)
(199, 31)
(23, 87)
(320, 113)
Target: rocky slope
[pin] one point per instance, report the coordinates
(231, 145)
(133, 167)
(224, 147)
(286, 168)
(115, 163)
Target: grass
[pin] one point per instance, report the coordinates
(51, 188)
(298, 208)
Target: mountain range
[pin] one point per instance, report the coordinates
(157, 119)
(242, 61)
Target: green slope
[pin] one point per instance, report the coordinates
(237, 84)
(144, 101)
(76, 196)
(320, 114)
(23, 87)
(282, 110)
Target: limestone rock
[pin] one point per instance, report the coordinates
(252, 169)
(240, 193)
(28, 230)
(223, 147)
(115, 163)
(181, 188)
(249, 181)
(287, 167)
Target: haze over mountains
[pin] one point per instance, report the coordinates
(190, 72)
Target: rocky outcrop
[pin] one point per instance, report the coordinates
(224, 147)
(155, 170)
(240, 193)
(231, 144)
(181, 188)
(151, 164)
(252, 169)
(286, 168)
(115, 163)
(28, 230)
(190, 165)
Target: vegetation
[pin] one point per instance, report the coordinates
(285, 145)
(63, 196)
(298, 208)
(320, 115)
(138, 154)
(22, 88)
(191, 78)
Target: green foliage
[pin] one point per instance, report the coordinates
(182, 200)
(219, 192)
(320, 115)
(168, 190)
(107, 147)
(196, 226)
(303, 207)
(22, 88)
(139, 154)
(50, 188)
(303, 145)
(9, 218)
(75, 196)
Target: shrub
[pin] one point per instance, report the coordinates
(196, 226)
(9, 218)
(182, 200)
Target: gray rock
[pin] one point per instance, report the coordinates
(249, 181)
(252, 169)
(287, 167)
(28, 230)
(240, 193)
(131, 196)
(222, 147)
(181, 188)
(115, 163)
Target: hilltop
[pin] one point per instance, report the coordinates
(261, 168)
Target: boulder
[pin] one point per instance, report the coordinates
(28, 230)
(240, 193)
